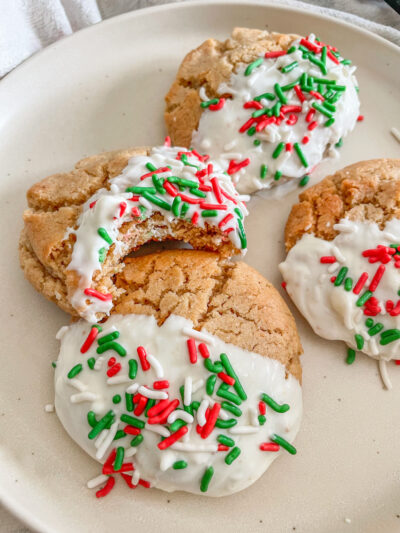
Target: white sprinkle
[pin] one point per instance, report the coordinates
(231, 155)
(396, 134)
(230, 145)
(224, 415)
(390, 236)
(197, 385)
(159, 429)
(96, 481)
(373, 346)
(83, 397)
(135, 477)
(254, 416)
(198, 335)
(167, 460)
(114, 188)
(99, 362)
(107, 441)
(49, 408)
(244, 197)
(244, 430)
(345, 228)
(203, 94)
(187, 397)
(117, 380)
(145, 203)
(61, 332)
(183, 415)
(201, 412)
(338, 254)
(100, 439)
(132, 389)
(333, 267)
(77, 384)
(155, 363)
(384, 374)
(347, 520)
(152, 394)
(187, 447)
(129, 452)
(206, 144)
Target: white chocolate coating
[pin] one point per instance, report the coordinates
(331, 310)
(105, 213)
(168, 345)
(218, 131)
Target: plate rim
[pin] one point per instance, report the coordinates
(11, 502)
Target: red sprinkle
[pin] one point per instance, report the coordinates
(169, 441)
(199, 157)
(291, 121)
(317, 95)
(89, 340)
(305, 139)
(114, 370)
(225, 220)
(326, 259)
(122, 208)
(252, 104)
(333, 279)
(313, 125)
(247, 125)
(128, 480)
(92, 204)
(111, 361)
(141, 406)
(263, 123)
(210, 168)
(210, 424)
(217, 207)
(228, 230)
(135, 212)
(217, 190)
(310, 115)
(300, 94)
(217, 107)
(167, 141)
(190, 199)
(163, 416)
(311, 46)
(396, 310)
(98, 295)
(203, 350)
(156, 409)
(289, 147)
(106, 489)
(223, 448)
(145, 484)
(131, 430)
(397, 361)
(332, 57)
(134, 198)
(272, 55)
(195, 218)
(262, 408)
(170, 188)
(283, 284)
(161, 384)
(360, 283)
(143, 358)
(162, 169)
(269, 447)
(227, 379)
(191, 344)
(360, 118)
(235, 167)
(228, 196)
(109, 461)
(377, 278)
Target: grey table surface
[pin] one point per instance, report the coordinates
(376, 10)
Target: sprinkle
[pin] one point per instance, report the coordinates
(206, 104)
(187, 396)
(225, 424)
(154, 394)
(377, 277)
(162, 417)
(263, 171)
(166, 443)
(232, 455)
(101, 424)
(284, 443)
(95, 482)
(300, 154)
(143, 358)
(274, 54)
(244, 430)
(231, 408)
(230, 371)
(269, 447)
(328, 259)
(132, 421)
(384, 373)
(204, 350)
(164, 384)
(360, 118)
(179, 465)
(274, 405)
(75, 371)
(191, 345)
(217, 107)
(133, 366)
(278, 175)
(289, 67)
(98, 295)
(137, 440)
(252, 66)
(339, 143)
(210, 384)
(167, 141)
(390, 335)
(106, 489)
(83, 397)
(304, 180)
(114, 370)
(299, 93)
(279, 93)
(112, 346)
(158, 171)
(359, 341)
(360, 283)
(205, 480)
(341, 275)
(201, 412)
(182, 415)
(363, 298)
(159, 429)
(104, 235)
(351, 355)
(212, 418)
(89, 340)
(348, 284)
(157, 366)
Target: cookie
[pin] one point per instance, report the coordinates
(193, 383)
(342, 268)
(267, 106)
(80, 225)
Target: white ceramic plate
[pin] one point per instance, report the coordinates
(102, 89)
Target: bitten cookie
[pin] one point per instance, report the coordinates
(80, 225)
(342, 267)
(192, 384)
(267, 106)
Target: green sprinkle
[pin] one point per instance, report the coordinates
(278, 175)
(157, 201)
(133, 366)
(279, 93)
(363, 298)
(231, 408)
(369, 322)
(348, 284)
(229, 370)
(214, 101)
(278, 150)
(120, 434)
(304, 180)
(119, 458)
(137, 440)
(129, 402)
(329, 106)
(322, 109)
(398, 292)
(112, 346)
(140, 190)
(158, 184)
(184, 209)
(104, 235)
(262, 419)
(116, 398)
(210, 384)
(304, 80)
(263, 171)
(351, 356)
(142, 210)
(340, 87)
(188, 409)
(242, 234)
(276, 109)
(388, 336)
(289, 67)
(251, 131)
(75, 371)
(226, 441)
(266, 96)
(375, 329)
(91, 362)
(232, 455)
(329, 122)
(284, 443)
(182, 392)
(239, 213)
(323, 55)
(225, 424)
(291, 50)
(54, 364)
(131, 420)
(222, 392)
(208, 474)
(209, 213)
(359, 341)
(299, 152)
(195, 405)
(91, 418)
(319, 64)
(108, 338)
(274, 405)
(149, 405)
(259, 112)
(252, 66)
(102, 255)
(150, 166)
(289, 86)
(101, 424)
(177, 425)
(346, 62)
(340, 277)
(257, 142)
(179, 465)
(185, 161)
(198, 193)
(176, 205)
(213, 367)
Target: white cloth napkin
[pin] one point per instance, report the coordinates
(26, 26)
